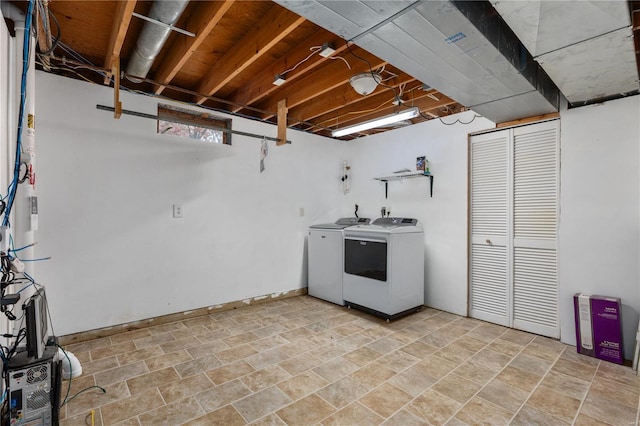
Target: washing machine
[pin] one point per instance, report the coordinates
(384, 267)
(325, 257)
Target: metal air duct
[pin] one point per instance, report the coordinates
(153, 36)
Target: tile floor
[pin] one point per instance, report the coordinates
(302, 361)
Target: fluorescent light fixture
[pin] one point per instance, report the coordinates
(327, 50)
(378, 122)
(279, 80)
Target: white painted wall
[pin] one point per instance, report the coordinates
(106, 193)
(443, 217)
(599, 238)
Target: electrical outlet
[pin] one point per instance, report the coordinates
(301, 211)
(177, 211)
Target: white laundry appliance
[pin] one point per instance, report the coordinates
(325, 257)
(384, 267)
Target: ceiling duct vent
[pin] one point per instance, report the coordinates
(153, 36)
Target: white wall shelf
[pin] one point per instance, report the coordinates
(387, 179)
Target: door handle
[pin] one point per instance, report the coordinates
(488, 241)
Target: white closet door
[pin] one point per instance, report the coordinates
(489, 269)
(535, 218)
(513, 226)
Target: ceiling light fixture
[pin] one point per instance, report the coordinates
(378, 122)
(366, 82)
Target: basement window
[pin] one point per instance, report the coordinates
(193, 125)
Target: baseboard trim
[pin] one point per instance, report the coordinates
(178, 316)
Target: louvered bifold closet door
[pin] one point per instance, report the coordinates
(535, 223)
(489, 222)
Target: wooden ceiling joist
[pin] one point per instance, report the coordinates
(342, 96)
(262, 84)
(121, 21)
(321, 81)
(272, 28)
(182, 48)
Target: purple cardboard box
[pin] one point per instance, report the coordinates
(598, 327)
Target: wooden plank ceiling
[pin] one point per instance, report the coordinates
(230, 63)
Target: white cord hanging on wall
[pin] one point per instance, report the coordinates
(345, 177)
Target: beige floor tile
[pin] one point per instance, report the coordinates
(318, 362)
(219, 396)
(413, 381)
(184, 388)
(353, 414)
(518, 337)
(433, 407)
(229, 372)
(180, 344)
(618, 373)
(152, 380)
(583, 420)
(234, 354)
(196, 366)
(528, 416)
(531, 363)
(373, 374)
(479, 411)
(455, 354)
(335, 369)
(208, 348)
(505, 347)
(153, 340)
(266, 358)
(398, 360)
(84, 402)
(269, 343)
(518, 378)
(567, 385)
(606, 388)
(123, 409)
(342, 392)
(504, 395)
(299, 363)
(385, 345)
(475, 372)
(270, 420)
(175, 413)
(435, 366)
(385, 399)
(265, 378)
(456, 387)
(570, 354)
(121, 373)
(261, 403)
(468, 343)
(98, 366)
(302, 384)
(83, 419)
(140, 355)
(167, 360)
(492, 360)
(570, 368)
(404, 418)
(225, 416)
(608, 410)
(549, 353)
(309, 410)
(553, 402)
